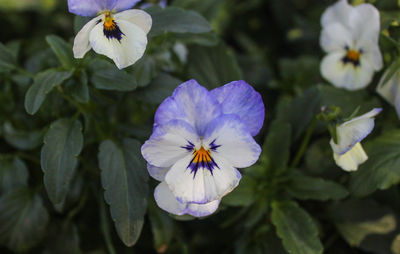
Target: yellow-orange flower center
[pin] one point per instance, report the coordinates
(353, 55)
(109, 23)
(202, 155)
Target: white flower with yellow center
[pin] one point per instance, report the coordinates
(350, 39)
(116, 32)
(348, 152)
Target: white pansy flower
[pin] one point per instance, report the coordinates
(390, 90)
(116, 32)
(348, 152)
(350, 39)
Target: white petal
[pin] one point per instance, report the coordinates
(125, 52)
(372, 56)
(204, 186)
(350, 160)
(352, 132)
(389, 90)
(235, 142)
(137, 17)
(365, 22)
(81, 42)
(338, 12)
(346, 75)
(201, 210)
(335, 36)
(157, 172)
(167, 201)
(166, 146)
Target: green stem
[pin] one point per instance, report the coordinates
(25, 72)
(79, 207)
(304, 143)
(66, 97)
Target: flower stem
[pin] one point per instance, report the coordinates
(304, 143)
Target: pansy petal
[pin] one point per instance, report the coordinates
(167, 144)
(233, 141)
(124, 52)
(203, 185)
(81, 42)
(352, 132)
(241, 99)
(389, 90)
(351, 159)
(86, 8)
(167, 201)
(346, 75)
(364, 21)
(138, 17)
(372, 57)
(338, 12)
(201, 210)
(157, 173)
(335, 36)
(122, 5)
(192, 103)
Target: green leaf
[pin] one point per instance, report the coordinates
(107, 77)
(62, 49)
(62, 144)
(243, 195)
(382, 169)
(305, 187)
(43, 84)
(7, 59)
(78, 87)
(213, 66)
(296, 228)
(159, 89)
(144, 71)
(24, 140)
(23, 220)
(162, 227)
(63, 239)
(299, 111)
(276, 148)
(207, 8)
(124, 179)
(13, 173)
(176, 20)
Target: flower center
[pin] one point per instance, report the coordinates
(111, 29)
(202, 158)
(352, 56)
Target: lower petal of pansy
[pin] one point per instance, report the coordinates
(350, 160)
(125, 43)
(169, 143)
(167, 201)
(202, 180)
(81, 42)
(241, 99)
(229, 137)
(157, 173)
(345, 75)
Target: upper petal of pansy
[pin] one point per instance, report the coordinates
(124, 45)
(189, 102)
(138, 17)
(157, 173)
(337, 13)
(241, 99)
(353, 131)
(168, 144)
(81, 42)
(167, 201)
(346, 75)
(364, 21)
(351, 159)
(335, 36)
(122, 5)
(229, 137)
(202, 184)
(87, 8)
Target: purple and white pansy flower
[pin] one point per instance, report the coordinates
(200, 139)
(116, 32)
(350, 37)
(348, 152)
